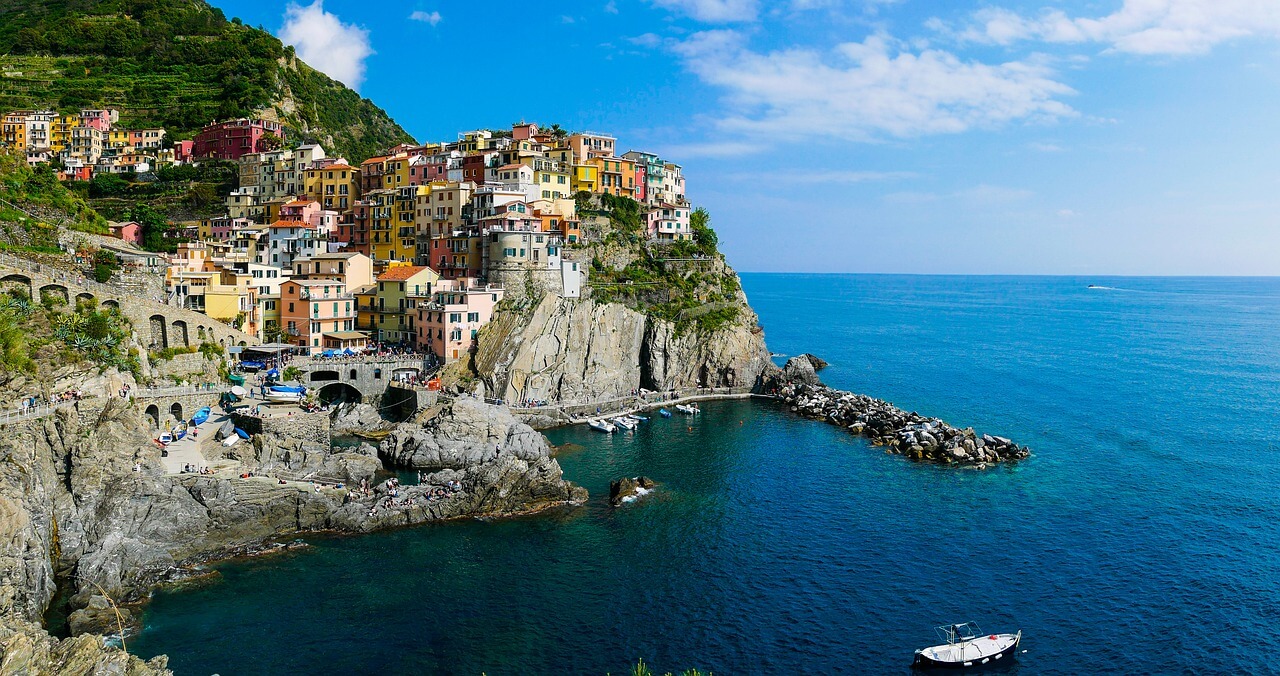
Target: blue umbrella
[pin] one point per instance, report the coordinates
(348, 352)
(273, 372)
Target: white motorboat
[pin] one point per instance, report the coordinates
(601, 426)
(688, 409)
(283, 397)
(626, 423)
(637, 417)
(967, 647)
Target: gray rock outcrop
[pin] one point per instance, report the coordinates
(577, 350)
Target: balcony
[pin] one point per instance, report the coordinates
(308, 295)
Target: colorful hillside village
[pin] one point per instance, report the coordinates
(414, 247)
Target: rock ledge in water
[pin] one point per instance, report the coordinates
(627, 489)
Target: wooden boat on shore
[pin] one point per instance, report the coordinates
(966, 647)
(601, 426)
(688, 409)
(201, 416)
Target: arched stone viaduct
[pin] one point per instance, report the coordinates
(157, 325)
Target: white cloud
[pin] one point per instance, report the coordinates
(866, 91)
(649, 40)
(611, 7)
(1166, 27)
(714, 11)
(321, 39)
(432, 17)
(1067, 213)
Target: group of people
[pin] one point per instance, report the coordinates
(37, 400)
(189, 468)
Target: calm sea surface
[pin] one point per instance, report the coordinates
(1142, 536)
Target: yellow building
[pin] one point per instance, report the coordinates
(60, 137)
(118, 138)
(395, 171)
(586, 177)
(15, 130)
(336, 187)
(397, 294)
(553, 178)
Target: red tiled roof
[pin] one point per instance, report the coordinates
(401, 273)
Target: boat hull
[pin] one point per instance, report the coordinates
(1004, 656)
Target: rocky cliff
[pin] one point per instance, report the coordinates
(84, 503)
(579, 351)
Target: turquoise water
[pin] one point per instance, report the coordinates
(1141, 537)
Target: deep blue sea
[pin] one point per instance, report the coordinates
(1142, 536)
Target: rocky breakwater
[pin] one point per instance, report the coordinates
(906, 433)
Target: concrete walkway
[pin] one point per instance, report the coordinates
(187, 451)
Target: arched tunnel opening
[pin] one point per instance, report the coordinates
(339, 393)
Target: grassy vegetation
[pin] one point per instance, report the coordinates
(46, 332)
(658, 278)
(179, 64)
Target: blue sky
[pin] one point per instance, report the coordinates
(1107, 137)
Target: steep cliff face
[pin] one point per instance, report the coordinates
(578, 351)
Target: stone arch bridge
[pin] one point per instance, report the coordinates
(157, 325)
(352, 379)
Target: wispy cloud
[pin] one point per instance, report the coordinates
(714, 11)
(611, 7)
(649, 40)
(715, 149)
(866, 91)
(432, 17)
(1163, 27)
(321, 39)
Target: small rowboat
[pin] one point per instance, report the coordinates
(201, 416)
(638, 418)
(967, 648)
(601, 426)
(164, 439)
(231, 441)
(664, 413)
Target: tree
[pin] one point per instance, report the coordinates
(107, 185)
(269, 141)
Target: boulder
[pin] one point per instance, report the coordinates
(627, 489)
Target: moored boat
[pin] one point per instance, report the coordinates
(966, 647)
(624, 422)
(601, 426)
(664, 413)
(637, 417)
(688, 409)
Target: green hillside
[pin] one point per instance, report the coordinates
(179, 64)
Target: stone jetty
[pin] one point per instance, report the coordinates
(907, 433)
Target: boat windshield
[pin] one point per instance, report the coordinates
(956, 633)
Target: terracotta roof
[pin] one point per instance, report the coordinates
(289, 224)
(374, 160)
(401, 273)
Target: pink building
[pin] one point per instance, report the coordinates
(447, 326)
(233, 139)
(319, 314)
(130, 232)
(182, 151)
(98, 119)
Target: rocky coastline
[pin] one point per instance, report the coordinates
(906, 433)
